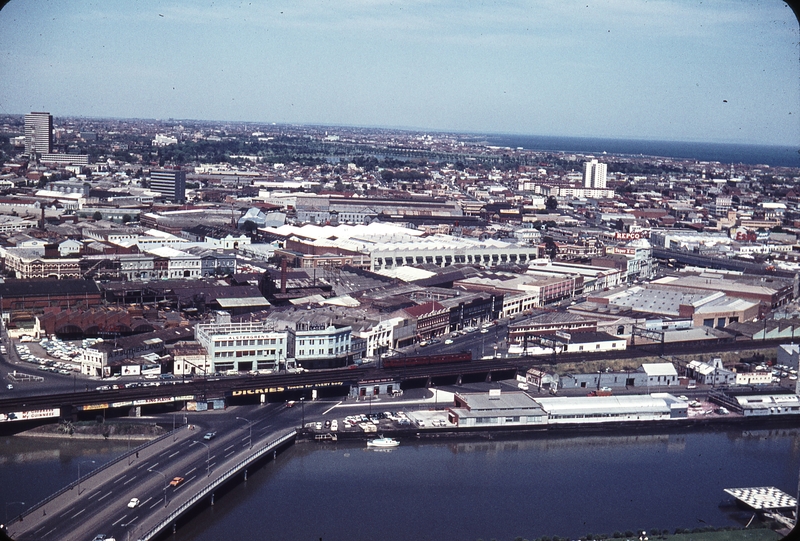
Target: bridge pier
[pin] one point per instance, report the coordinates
(245, 475)
(489, 377)
(212, 498)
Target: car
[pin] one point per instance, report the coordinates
(448, 341)
(10, 387)
(793, 377)
(133, 503)
(683, 397)
(318, 425)
(150, 376)
(334, 425)
(102, 537)
(484, 331)
(176, 481)
(210, 436)
(327, 424)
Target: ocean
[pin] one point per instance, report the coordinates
(774, 156)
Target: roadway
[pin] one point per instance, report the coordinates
(98, 504)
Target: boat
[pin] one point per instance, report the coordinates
(383, 442)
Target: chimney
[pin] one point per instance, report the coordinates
(283, 276)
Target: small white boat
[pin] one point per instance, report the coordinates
(383, 442)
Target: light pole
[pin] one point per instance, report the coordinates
(249, 424)
(303, 408)
(11, 503)
(208, 456)
(165, 483)
(79, 473)
(132, 530)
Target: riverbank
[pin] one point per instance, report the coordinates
(91, 430)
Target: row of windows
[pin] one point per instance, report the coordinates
(599, 415)
(245, 353)
(253, 342)
(340, 349)
(470, 258)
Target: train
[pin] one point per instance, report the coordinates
(422, 360)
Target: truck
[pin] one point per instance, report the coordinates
(600, 392)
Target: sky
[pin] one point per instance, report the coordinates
(681, 70)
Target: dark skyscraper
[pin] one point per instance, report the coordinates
(170, 183)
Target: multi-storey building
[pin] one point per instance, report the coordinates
(38, 133)
(243, 346)
(171, 183)
(594, 175)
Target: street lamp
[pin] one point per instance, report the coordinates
(151, 470)
(208, 456)
(79, 473)
(250, 424)
(132, 530)
(303, 408)
(11, 503)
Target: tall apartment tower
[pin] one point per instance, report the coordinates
(171, 183)
(38, 133)
(594, 175)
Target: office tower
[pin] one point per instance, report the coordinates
(594, 175)
(171, 183)
(38, 133)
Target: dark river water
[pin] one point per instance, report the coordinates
(459, 490)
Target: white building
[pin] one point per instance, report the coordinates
(243, 346)
(594, 175)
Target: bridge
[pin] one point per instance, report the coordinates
(170, 476)
(236, 390)
(335, 382)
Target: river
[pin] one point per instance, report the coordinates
(466, 490)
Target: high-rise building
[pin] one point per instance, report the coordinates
(594, 174)
(38, 133)
(171, 183)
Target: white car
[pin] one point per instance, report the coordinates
(133, 503)
(448, 342)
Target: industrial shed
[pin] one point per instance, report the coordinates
(603, 409)
(496, 409)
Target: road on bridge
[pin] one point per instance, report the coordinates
(98, 503)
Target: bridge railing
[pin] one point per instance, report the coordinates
(230, 472)
(91, 473)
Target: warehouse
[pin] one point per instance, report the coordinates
(604, 409)
(496, 409)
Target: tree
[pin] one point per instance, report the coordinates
(97, 216)
(550, 247)
(126, 218)
(551, 203)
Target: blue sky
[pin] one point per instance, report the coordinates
(684, 70)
